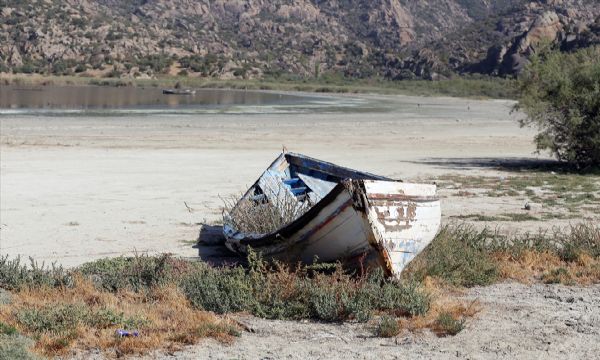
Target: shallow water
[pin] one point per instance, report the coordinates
(111, 101)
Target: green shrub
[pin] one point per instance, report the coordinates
(582, 238)
(403, 299)
(560, 94)
(80, 68)
(158, 63)
(558, 276)
(15, 347)
(64, 318)
(105, 318)
(446, 325)
(207, 329)
(14, 275)
(321, 292)
(323, 303)
(219, 291)
(462, 255)
(114, 73)
(6, 329)
(136, 273)
(60, 318)
(278, 293)
(567, 243)
(387, 327)
(5, 297)
(458, 255)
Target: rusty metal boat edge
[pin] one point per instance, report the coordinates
(361, 219)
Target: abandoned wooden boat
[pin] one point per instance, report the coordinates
(340, 214)
(178, 92)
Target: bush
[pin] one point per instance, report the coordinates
(446, 325)
(558, 276)
(560, 94)
(215, 330)
(64, 318)
(280, 293)
(26, 68)
(135, 273)
(387, 327)
(219, 291)
(80, 68)
(458, 255)
(566, 243)
(6, 329)
(158, 63)
(54, 319)
(15, 347)
(407, 299)
(464, 256)
(582, 238)
(15, 276)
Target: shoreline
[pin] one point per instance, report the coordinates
(471, 88)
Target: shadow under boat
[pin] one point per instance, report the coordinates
(212, 250)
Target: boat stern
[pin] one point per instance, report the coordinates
(404, 217)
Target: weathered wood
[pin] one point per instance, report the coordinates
(318, 186)
(367, 221)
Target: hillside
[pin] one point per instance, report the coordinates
(396, 39)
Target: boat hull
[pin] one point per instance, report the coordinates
(178, 92)
(365, 223)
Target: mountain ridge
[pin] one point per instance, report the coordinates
(395, 39)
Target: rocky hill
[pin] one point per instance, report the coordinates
(396, 39)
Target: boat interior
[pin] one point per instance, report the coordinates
(303, 178)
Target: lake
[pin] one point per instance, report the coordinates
(111, 101)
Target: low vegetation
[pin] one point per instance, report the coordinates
(464, 256)
(473, 87)
(387, 327)
(15, 346)
(169, 302)
(446, 324)
(556, 194)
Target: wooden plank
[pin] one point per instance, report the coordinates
(329, 168)
(318, 186)
(272, 186)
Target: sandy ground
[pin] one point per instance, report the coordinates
(516, 322)
(81, 188)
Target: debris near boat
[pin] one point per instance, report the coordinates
(178, 92)
(303, 209)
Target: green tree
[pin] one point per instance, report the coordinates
(560, 94)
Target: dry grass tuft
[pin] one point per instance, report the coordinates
(531, 266)
(447, 314)
(463, 256)
(263, 216)
(83, 317)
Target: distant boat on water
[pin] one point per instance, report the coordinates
(178, 92)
